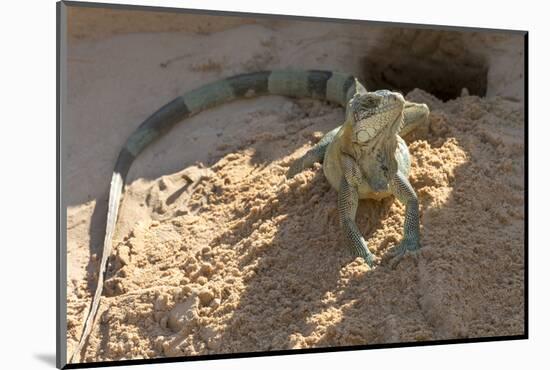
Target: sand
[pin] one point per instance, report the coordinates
(216, 252)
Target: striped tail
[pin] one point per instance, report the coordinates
(323, 85)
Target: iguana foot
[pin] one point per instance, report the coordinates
(367, 256)
(406, 247)
(295, 167)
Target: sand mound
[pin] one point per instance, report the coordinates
(233, 257)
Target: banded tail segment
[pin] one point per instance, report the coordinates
(323, 85)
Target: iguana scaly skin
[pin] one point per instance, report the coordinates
(363, 158)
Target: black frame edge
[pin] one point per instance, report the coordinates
(526, 183)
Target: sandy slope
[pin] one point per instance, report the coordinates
(241, 259)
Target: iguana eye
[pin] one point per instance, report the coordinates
(384, 168)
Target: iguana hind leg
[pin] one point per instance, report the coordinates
(314, 155)
(403, 191)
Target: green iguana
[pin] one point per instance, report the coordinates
(363, 158)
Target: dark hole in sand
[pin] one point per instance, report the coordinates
(439, 62)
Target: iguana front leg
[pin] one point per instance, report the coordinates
(348, 199)
(403, 191)
(314, 155)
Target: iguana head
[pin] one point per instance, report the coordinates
(375, 113)
(375, 119)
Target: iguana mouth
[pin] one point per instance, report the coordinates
(365, 135)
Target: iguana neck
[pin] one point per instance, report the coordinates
(376, 159)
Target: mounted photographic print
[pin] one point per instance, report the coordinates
(237, 184)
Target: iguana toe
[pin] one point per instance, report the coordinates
(367, 256)
(406, 247)
(294, 168)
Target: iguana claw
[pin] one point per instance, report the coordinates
(370, 259)
(406, 247)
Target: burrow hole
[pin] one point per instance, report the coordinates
(439, 62)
